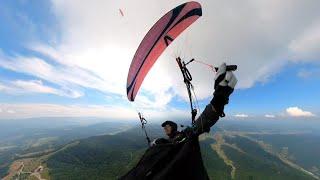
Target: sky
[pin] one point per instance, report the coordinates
(71, 58)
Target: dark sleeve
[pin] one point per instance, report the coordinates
(206, 120)
(162, 141)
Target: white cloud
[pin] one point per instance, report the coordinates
(309, 73)
(241, 115)
(10, 111)
(62, 75)
(307, 45)
(297, 112)
(18, 111)
(257, 41)
(4, 88)
(269, 116)
(36, 86)
(97, 44)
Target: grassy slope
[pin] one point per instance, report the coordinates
(215, 166)
(257, 163)
(108, 157)
(302, 149)
(100, 157)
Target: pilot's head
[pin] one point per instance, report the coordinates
(169, 127)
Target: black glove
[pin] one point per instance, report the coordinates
(225, 81)
(159, 141)
(189, 131)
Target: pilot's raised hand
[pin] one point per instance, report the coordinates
(224, 84)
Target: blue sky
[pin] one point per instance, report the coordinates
(71, 59)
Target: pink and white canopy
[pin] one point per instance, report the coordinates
(157, 40)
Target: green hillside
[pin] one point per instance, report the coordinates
(225, 157)
(99, 157)
(216, 168)
(255, 163)
(302, 149)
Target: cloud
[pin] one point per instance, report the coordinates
(4, 88)
(10, 111)
(18, 111)
(259, 41)
(241, 115)
(297, 112)
(269, 116)
(18, 87)
(65, 76)
(96, 45)
(307, 45)
(36, 86)
(309, 73)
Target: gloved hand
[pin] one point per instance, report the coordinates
(189, 131)
(225, 81)
(159, 141)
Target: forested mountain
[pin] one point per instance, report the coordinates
(228, 153)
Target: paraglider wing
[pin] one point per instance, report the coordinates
(157, 40)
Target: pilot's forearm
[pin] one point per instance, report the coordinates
(207, 119)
